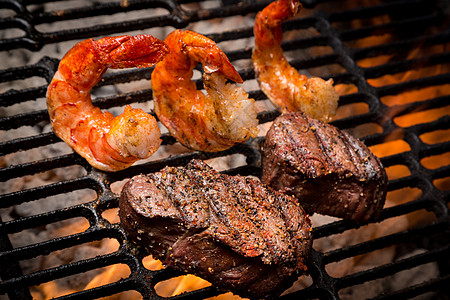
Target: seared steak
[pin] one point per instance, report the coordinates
(326, 169)
(230, 230)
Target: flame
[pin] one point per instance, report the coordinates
(394, 142)
(114, 273)
(178, 285)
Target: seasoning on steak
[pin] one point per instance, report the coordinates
(230, 230)
(329, 171)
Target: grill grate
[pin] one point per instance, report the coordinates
(352, 44)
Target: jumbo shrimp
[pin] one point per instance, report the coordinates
(108, 143)
(288, 90)
(211, 122)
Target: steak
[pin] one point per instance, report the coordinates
(329, 171)
(230, 230)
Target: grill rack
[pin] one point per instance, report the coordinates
(433, 235)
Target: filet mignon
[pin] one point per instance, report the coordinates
(230, 230)
(329, 171)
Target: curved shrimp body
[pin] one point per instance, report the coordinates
(108, 143)
(211, 122)
(284, 86)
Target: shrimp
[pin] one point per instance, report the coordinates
(211, 122)
(283, 85)
(108, 143)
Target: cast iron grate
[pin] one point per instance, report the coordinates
(414, 24)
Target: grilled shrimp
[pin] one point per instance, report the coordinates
(211, 122)
(108, 143)
(283, 85)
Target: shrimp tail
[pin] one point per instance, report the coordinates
(203, 50)
(139, 51)
(271, 18)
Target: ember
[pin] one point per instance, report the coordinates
(59, 230)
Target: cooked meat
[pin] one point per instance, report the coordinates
(329, 171)
(230, 230)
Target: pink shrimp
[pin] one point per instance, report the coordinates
(211, 122)
(108, 143)
(284, 86)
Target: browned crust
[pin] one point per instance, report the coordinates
(329, 171)
(251, 240)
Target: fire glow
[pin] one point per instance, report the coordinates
(394, 144)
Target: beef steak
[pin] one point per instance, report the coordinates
(230, 230)
(329, 171)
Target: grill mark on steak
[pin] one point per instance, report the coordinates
(305, 160)
(257, 215)
(320, 143)
(326, 169)
(363, 170)
(231, 230)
